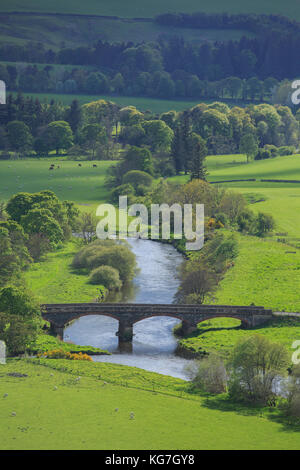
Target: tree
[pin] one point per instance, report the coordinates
(17, 332)
(198, 280)
(19, 135)
(265, 223)
(74, 115)
(198, 152)
(17, 301)
(209, 374)
(41, 221)
(93, 135)
(8, 259)
(249, 146)
(59, 135)
(87, 223)
(255, 364)
(158, 135)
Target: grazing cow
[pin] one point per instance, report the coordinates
(94, 166)
(51, 168)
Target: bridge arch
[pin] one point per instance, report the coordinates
(244, 321)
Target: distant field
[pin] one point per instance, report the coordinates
(136, 8)
(83, 184)
(75, 31)
(143, 104)
(282, 200)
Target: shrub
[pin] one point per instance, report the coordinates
(273, 149)
(136, 178)
(286, 150)
(263, 154)
(61, 354)
(210, 375)
(106, 276)
(123, 190)
(265, 223)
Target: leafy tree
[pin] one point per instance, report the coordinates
(19, 135)
(93, 135)
(17, 301)
(136, 178)
(256, 363)
(41, 221)
(210, 375)
(198, 281)
(17, 332)
(265, 223)
(158, 134)
(8, 259)
(249, 146)
(59, 135)
(198, 152)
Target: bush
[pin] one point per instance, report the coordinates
(123, 190)
(136, 178)
(210, 375)
(263, 154)
(246, 221)
(265, 223)
(107, 253)
(273, 149)
(286, 150)
(61, 354)
(106, 276)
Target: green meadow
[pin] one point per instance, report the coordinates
(220, 335)
(54, 281)
(282, 200)
(49, 408)
(154, 105)
(84, 185)
(79, 31)
(136, 8)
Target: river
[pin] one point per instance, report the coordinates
(154, 344)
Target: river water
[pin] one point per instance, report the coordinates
(153, 343)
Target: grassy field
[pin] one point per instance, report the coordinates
(83, 185)
(154, 105)
(50, 409)
(282, 200)
(75, 31)
(135, 8)
(221, 334)
(54, 281)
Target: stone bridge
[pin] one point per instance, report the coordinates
(60, 315)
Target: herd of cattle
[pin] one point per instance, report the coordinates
(52, 166)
